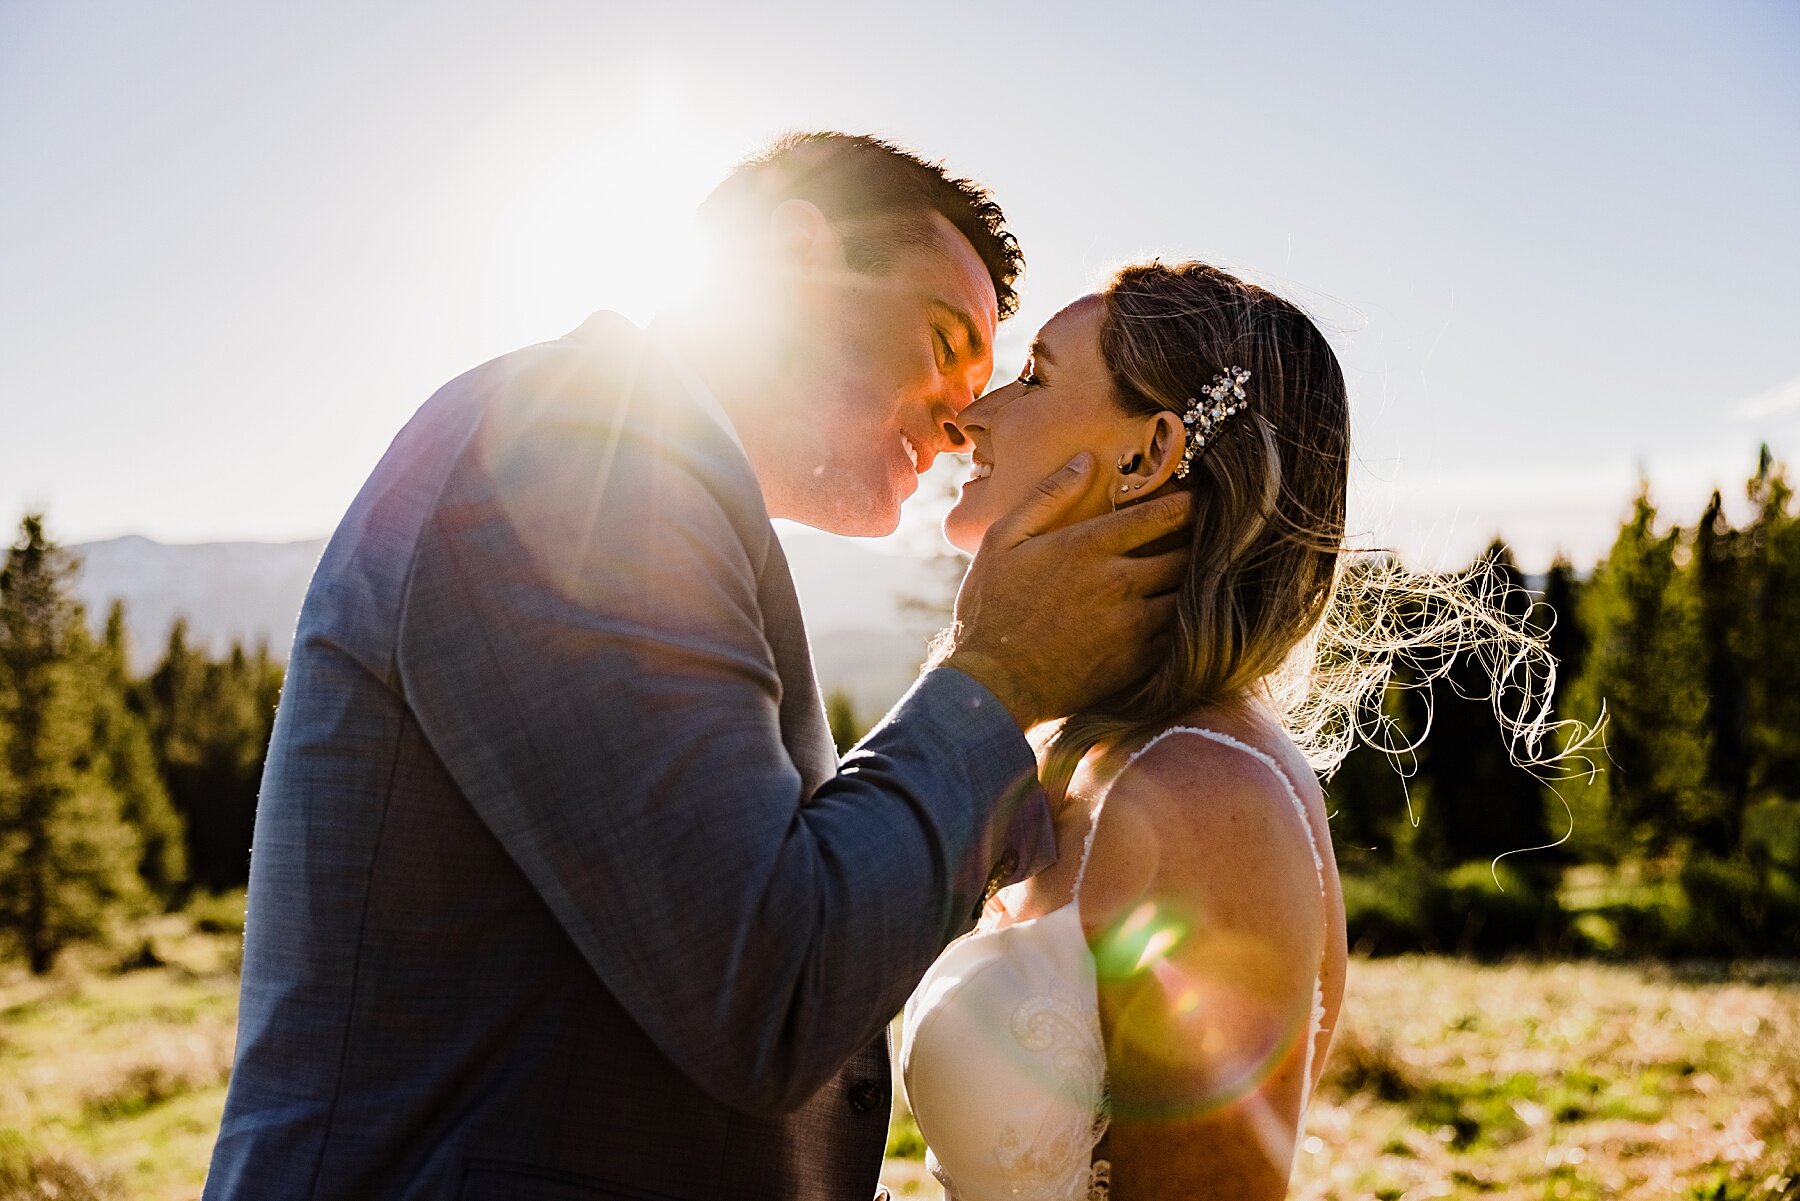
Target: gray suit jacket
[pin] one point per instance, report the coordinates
(559, 890)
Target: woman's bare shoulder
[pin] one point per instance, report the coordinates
(1211, 824)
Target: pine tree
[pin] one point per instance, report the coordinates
(1374, 797)
(840, 714)
(67, 855)
(1646, 665)
(1483, 805)
(210, 723)
(121, 744)
(1718, 578)
(1772, 634)
(1567, 638)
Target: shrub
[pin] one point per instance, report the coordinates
(1385, 911)
(1489, 909)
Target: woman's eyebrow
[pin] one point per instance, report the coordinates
(1039, 350)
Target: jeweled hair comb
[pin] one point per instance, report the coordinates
(1217, 403)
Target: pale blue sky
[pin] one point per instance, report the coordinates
(241, 242)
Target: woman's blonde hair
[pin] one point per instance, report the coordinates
(1271, 597)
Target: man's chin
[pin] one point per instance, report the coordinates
(851, 519)
(847, 529)
(868, 517)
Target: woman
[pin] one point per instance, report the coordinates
(1152, 1014)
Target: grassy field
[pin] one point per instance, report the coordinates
(1575, 1080)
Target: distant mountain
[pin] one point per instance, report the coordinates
(242, 591)
(852, 595)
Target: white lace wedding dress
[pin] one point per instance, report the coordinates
(1001, 1051)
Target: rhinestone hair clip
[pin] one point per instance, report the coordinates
(1217, 403)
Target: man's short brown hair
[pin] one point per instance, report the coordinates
(878, 197)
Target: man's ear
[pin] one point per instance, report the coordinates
(801, 238)
(1161, 440)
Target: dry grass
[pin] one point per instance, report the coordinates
(1574, 1081)
(112, 1081)
(1562, 1081)
(1577, 1081)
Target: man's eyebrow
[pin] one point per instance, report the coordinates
(971, 331)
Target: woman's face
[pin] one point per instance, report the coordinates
(1061, 405)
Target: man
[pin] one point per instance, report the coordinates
(558, 888)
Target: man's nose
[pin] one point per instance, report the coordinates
(968, 423)
(950, 413)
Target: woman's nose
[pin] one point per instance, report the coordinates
(962, 431)
(970, 421)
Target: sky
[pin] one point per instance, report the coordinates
(1555, 245)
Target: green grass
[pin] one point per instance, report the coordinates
(112, 1079)
(1557, 1082)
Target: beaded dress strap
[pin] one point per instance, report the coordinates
(1268, 761)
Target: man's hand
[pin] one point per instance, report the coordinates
(1051, 620)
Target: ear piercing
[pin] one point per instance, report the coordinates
(1126, 466)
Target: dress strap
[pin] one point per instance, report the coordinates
(1087, 846)
(1268, 761)
(1257, 753)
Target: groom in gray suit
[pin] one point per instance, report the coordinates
(559, 890)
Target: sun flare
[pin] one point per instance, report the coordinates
(582, 196)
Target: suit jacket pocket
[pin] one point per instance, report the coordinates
(487, 1180)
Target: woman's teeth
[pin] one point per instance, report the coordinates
(912, 452)
(980, 471)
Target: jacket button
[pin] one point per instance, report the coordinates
(865, 1095)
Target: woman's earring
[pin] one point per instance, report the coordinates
(1126, 467)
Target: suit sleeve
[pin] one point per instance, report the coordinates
(582, 645)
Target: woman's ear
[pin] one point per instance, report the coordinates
(1155, 455)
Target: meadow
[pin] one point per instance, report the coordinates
(1571, 1080)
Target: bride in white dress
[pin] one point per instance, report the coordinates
(1148, 1018)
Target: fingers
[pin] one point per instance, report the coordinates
(1155, 575)
(1151, 636)
(1159, 615)
(1140, 524)
(1048, 502)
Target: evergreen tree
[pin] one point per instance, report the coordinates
(1718, 578)
(211, 722)
(1567, 638)
(67, 854)
(1374, 797)
(1645, 663)
(1571, 805)
(121, 746)
(846, 726)
(1482, 804)
(1772, 634)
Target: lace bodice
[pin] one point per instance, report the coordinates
(1001, 1050)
